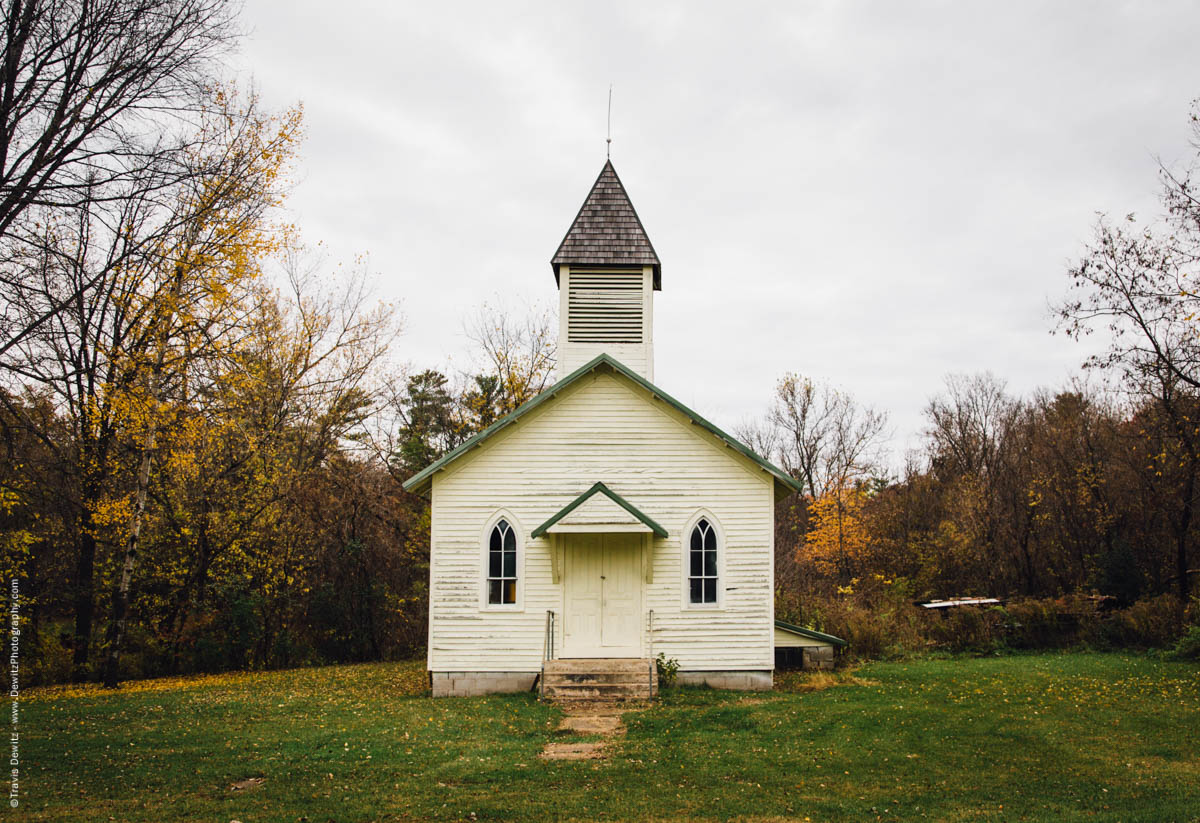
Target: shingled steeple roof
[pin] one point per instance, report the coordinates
(607, 231)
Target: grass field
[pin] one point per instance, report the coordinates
(1098, 737)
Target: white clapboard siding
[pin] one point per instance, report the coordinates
(602, 428)
(609, 311)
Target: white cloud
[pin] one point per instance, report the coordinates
(871, 193)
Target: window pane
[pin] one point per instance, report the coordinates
(710, 541)
(510, 564)
(710, 563)
(697, 587)
(494, 569)
(494, 591)
(510, 591)
(494, 543)
(510, 539)
(697, 540)
(697, 563)
(710, 590)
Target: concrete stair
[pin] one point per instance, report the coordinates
(599, 680)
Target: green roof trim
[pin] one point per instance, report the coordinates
(421, 479)
(600, 488)
(811, 633)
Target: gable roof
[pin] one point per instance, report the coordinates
(811, 633)
(600, 488)
(422, 479)
(607, 231)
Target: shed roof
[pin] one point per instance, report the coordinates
(420, 481)
(607, 231)
(811, 633)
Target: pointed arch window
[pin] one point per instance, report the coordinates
(502, 565)
(702, 564)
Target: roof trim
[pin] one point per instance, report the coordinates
(600, 488)
(421, 479)
(812, 634)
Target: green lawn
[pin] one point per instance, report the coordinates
(1048, 737)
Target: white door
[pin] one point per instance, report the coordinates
(602, 596)
(583, 590)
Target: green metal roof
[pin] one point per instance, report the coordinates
(419, 481)
(600, 488)
(811, 633)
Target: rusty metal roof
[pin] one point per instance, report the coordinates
(607, 231)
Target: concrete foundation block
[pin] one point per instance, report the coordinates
(739, 681)
(818, 657)
(474, 684)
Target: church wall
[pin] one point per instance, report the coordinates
(602, 428)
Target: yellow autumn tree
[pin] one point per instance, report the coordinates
(838, 537)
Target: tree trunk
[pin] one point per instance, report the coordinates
(85, 606)
(120, 609)
(1181, 537)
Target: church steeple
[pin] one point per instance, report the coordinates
(607, 272)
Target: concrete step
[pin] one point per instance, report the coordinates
(586, 678)
(574, 681)
(599, 692)
(584, 665)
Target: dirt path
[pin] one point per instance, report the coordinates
(592, 719)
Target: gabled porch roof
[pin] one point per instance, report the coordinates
(587, 512)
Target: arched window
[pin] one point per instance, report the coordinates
(502, 565)
(702, 569)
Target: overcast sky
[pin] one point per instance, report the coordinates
(871, 194)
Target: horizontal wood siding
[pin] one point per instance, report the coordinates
(602, 429)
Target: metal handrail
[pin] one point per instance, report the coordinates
(650, 634)
(650, 647)
(547, 651)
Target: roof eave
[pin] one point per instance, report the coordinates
(812, 634)
(422, 479)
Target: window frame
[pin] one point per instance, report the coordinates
(518, 605)
(685, 559)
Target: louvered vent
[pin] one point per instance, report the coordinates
(605, 306)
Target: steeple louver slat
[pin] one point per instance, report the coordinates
(604, 306)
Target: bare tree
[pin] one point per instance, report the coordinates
(969, 424)
(822, 436)
(517, 349)
(97, 99)
(1138, 285)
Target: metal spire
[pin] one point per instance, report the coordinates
(608, 139)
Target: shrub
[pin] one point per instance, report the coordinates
(1188, 647)
(51, 658)
(968, 628)
(668, 670)
(879, 630)
(1049, 623)
(1151, 623)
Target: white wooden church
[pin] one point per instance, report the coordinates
(603, 522)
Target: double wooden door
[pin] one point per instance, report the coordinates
(602, 595)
